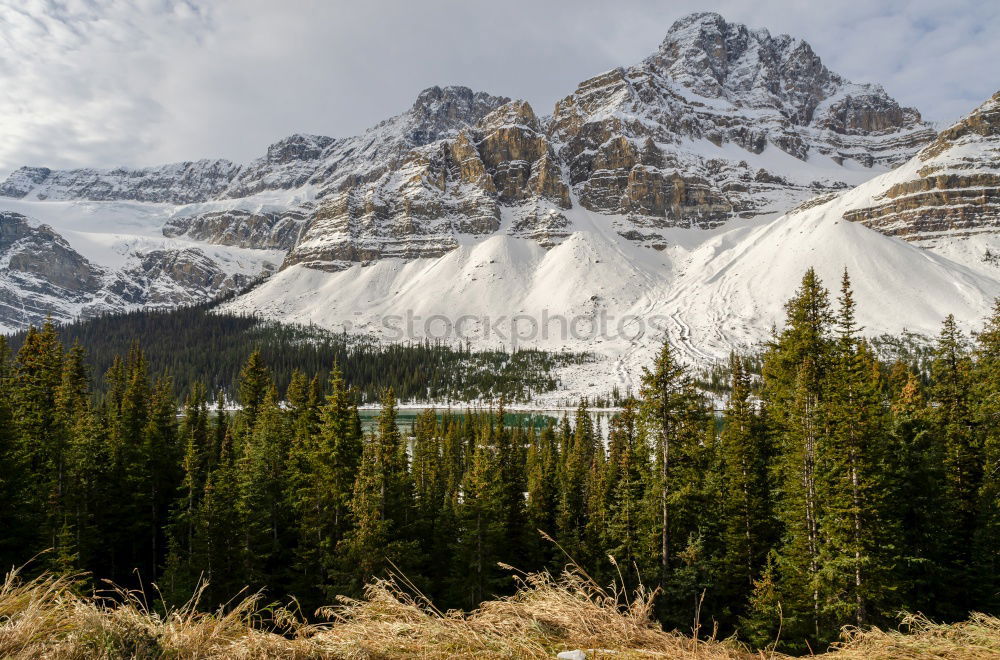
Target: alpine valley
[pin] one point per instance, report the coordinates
(693, 188)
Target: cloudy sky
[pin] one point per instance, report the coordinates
(139, 82)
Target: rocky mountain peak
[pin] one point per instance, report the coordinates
(753, 69)
(717, 59)
(983, 122)
(439, 111)
(298, 147)
(22, 180)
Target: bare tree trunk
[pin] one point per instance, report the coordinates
(856, 496)
(665, 508)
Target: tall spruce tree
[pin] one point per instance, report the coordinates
(671, 417)
(321, 483)
(628, 477)
(579, 450)
(747, 511)
(10, 488)
(41, 438)
(481, 524)
(951, 370)
(382, 503)
(262, 473)
(986, 542)
(851, 558)
(542, 466)
(915, 510)
(795, 372)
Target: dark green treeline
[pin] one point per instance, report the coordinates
(838, 489)
(200, 344)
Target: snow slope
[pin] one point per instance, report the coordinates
(707, 292)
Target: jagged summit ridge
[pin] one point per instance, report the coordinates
(751, 68)
(439, 111)
(175, 183)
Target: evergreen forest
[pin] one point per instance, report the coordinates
(837, 488)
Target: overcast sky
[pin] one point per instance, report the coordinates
(104, 82)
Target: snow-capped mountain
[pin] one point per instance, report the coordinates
(707, 290)
(654, 190)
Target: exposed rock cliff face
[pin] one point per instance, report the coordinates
(42, 276)
(952, 186)
(438, 191)
(39, 272)
(266, 230)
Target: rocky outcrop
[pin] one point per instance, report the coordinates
(170, 278)
(23, 180)
(289, 163)
(437, 192)
(262, 230)
(42, 276)
(178, 183)
(952, 186)
(518, 156)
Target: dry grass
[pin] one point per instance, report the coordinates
(920, 638)
(544, 617)
(46, 618)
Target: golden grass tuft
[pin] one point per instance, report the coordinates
(45, 617)
(546, 615)
(978, 638)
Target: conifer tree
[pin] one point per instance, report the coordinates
(41, 438)
(915, 510)
(986, 541)
(262, 474)
(481, 520)
(672, 418)
(628, 476)
(71, 400)
(795, 376)
(433, 528)
(161, 475)
(254, 384)
(579, 449)
(542, 466)
(510, 457)
(219, 537)
(744, 456)
(324, 469)
(381, 505)
(14, 475)
(196, 462)
(850, 552)
(128, 413)
(951, 370)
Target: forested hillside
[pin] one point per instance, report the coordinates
(197, 344)
(839, 489)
